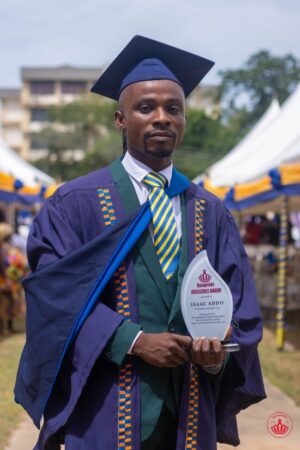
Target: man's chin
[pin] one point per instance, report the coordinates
(160, 152)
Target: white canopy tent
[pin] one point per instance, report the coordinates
(12, 164)
(273, 141)
(237, 155)
(292, 151)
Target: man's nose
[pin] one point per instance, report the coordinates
(161, 117)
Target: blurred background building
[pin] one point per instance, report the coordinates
(26, 110)
(11, 118)
(43, 88)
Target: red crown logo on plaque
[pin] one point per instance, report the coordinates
(279, 428)
(204, 277)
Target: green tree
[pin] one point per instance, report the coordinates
(253, 85)
(206, 140)
(80, 136)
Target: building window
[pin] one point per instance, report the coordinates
(73, 87)
(42, 87)
(39, 115)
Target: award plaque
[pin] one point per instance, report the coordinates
(206, 302)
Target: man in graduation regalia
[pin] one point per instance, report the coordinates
(108, 361)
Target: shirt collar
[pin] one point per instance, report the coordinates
(137, 170)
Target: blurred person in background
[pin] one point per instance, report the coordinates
(13, 267)
(6, 298)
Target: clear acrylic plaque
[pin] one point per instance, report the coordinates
(206, 300)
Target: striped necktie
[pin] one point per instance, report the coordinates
(165, 235)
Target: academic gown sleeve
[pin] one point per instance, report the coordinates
(241, 383)
(51, 238)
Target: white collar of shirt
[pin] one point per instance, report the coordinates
(137, 170)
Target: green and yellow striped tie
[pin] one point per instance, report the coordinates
(165, 235)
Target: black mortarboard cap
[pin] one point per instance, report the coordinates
(146, 59)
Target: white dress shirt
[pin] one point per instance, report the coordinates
(137, 172)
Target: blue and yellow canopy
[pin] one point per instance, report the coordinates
(13, 190)
(284, 180)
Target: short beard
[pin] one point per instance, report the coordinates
(160, 152)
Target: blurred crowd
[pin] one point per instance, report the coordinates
(13, 267)
(262, 230)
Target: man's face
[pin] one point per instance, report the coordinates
(152, 115)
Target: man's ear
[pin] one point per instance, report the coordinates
(119, 120)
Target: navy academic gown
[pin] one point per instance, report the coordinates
(68, 243)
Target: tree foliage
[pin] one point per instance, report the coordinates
(206, 140)
(79, 137)
(262, 77)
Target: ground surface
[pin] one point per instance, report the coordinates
(252, 425)
(282, 368)
(10, 413)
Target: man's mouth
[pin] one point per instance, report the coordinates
(161, 135)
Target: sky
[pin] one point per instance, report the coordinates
(92, 32)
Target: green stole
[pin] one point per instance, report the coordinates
(159, 309)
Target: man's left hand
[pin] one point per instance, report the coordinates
(207, 352)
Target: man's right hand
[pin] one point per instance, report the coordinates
(163, 349)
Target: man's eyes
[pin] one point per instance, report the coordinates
(171, 109)
(145, 108)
